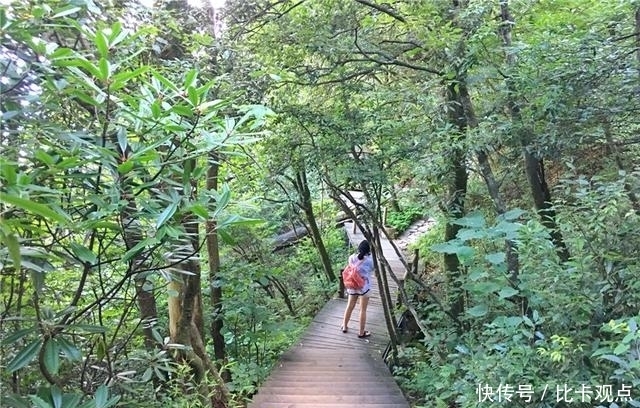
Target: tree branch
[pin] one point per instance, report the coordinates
(383, 9)
(393, 60)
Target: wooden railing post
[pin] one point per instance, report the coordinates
(340, 286)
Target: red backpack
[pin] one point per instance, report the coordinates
(351, 277)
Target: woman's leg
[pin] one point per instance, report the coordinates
(364, 301)
(351, 304)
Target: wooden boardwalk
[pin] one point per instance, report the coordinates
(331, 369)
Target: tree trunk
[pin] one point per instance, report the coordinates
(534, 166)
(638, 36)
(132, 235)
(393, 200)
(302, 187)
(215, 288)
(185, 311)
(457, 190)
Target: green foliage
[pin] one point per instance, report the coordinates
(107, 147)
(402, 220)
(566, 337)
(113, 116)
(621, 350)
(54, 397)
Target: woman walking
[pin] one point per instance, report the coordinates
(364, 261)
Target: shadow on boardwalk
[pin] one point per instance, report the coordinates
(331, 369)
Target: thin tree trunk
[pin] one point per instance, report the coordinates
(613, 150)
(133, 235)
(215, 288)
(534, 166)
(393, 200)
(456, 194)
(185, 311)
(302, 187)
(381, 268)
(638, 37)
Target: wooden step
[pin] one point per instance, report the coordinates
(262, 400)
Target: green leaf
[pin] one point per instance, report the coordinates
(478, 311)
(512, 321)
(123, 142)
(102, 44)
(117, 33)
(473, 220)
(194, 98)
(84, 254)
(70, 400)
(507, 292)
(82, 63)
(465, 252)
(66, 12)
(621, 348)
(105, 69)
(482, 288)
(166, 214)
(15, 401)
(52, 356)
(86, 98)
(164, 81)
(56, 396)
(87, 328)
(454, 247)
(4, 21)
(156, 111)
(138, 247)
(37, 277)
(25, 356)
(218, 104)
(495, 258)
(183, 110)
(12, 338)
(36, 208)
(44, 157)
(510, 229)
(450, 247)
(190, 78)
(226, 237)
(69, 349)
(466, 234)
(9, 173)
(125, 167)
(120, 79)
(616, 360)
(101, 396)
(477, 274)
(39, 402)
(512, 215)
(11, 240)
(148, 373)
(200, 210)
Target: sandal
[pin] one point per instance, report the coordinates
(344, 329)
(365, 334)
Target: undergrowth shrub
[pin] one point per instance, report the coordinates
(577, 343)
(402, 220)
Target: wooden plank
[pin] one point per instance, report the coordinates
(331, 369)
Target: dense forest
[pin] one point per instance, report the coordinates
(154, 153)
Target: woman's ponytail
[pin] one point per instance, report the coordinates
(363, 249)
